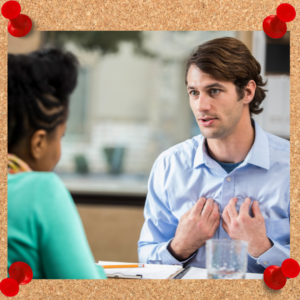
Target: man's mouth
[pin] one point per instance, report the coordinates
(207, 121)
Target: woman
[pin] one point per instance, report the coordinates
(44, 228)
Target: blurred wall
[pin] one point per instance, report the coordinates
(275, 117)
(26, 44)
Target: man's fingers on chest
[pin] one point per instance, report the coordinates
(207, 210)
(225, 216)
(214, 215)
(244, 208)
(256, 211)
(198, 207)
(232, 212)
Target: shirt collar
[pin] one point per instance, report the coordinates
(258, 154)
(201, 153)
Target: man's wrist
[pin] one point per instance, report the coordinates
(264, 247)
(177, 253)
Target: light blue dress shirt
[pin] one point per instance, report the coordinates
(184, 173)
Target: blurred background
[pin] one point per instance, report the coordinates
(129, 106)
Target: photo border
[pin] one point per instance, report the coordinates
(147, 15)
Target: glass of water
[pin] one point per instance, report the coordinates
(226, 259)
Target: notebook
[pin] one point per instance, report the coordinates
(150, 271)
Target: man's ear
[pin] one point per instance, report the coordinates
(38, 143)
(249, 92)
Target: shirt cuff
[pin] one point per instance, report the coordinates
(168, 259)
(274, 256)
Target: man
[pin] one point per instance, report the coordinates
(229, 182)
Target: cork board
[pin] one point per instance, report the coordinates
(156, 15)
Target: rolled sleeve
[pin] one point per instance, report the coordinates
(278, 232)
(170, 260)
(274, 256)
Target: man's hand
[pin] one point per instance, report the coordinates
(195, 227)
(243, 227)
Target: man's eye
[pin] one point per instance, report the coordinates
(214, 91)
(193, 93)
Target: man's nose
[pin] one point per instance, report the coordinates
(203, 103)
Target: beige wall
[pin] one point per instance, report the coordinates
(246, 37)
(112, 231)
(26, 44)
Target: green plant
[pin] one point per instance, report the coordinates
(104, 41)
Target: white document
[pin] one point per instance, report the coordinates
(153, 271)
(199, 273)
(150, 271)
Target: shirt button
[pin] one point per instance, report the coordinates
(228, 178)
(225, 239)
(265, 262)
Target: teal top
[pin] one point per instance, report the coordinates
(228, 167)
(45, 230)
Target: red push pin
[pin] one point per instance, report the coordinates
(19, 25)
(9, 287)
(275, 277)
(275, 26)
(21, 272)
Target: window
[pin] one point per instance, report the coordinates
(278, 55)
(78, 108)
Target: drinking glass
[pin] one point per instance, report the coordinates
(226, 259)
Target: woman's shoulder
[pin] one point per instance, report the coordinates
(35, 177)
(35, 183)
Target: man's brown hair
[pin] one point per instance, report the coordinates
(228, 59)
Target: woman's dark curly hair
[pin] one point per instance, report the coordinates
(39, 86)
(228, 59)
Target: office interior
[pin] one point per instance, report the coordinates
(129, 106)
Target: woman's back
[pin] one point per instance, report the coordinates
(45, 230)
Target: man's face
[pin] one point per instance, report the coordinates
(214, 103)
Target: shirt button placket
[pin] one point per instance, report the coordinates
(227, 194)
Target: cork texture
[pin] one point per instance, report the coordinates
(173, 15)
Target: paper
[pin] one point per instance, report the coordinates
(199, 273)
(150, 271)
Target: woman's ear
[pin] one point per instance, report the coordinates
(38, 143)
(249, 91)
